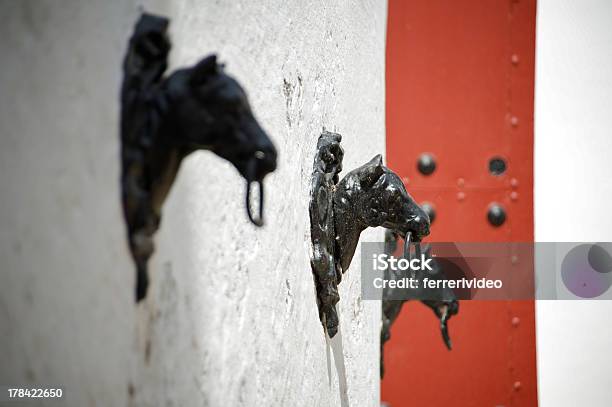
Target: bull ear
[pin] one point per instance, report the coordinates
(205, 68)
(371, 171)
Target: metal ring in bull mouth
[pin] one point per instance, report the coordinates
(407, 245)
(250, 176)
(417, 246)
(256, 222)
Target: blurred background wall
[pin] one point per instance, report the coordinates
(573, 190)
(230, 317)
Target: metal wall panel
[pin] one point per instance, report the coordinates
(460, 87)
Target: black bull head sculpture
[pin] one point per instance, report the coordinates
(442, 301)
(371, 195)
(165, 118)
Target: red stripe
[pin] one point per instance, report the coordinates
(457, 74)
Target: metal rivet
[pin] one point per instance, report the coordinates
(460, 182)
(430, 210)
(517, 385)
(515, 59)
(514, 195)
(426, 164)
(514, 259)
(514, 182)
(496, 215)
(516, 321)
(497, 166)
(514, 121)
(460, 196)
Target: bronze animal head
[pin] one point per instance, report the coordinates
(209, 110)
(442, 301)
(164, 119)
(371, 195)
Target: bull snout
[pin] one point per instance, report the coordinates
(421, 225)
(417, 222)
(263, 162)
(258, 155)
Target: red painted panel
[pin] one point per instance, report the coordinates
(460, 77)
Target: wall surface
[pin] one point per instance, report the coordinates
(231, 317)
(573, 191)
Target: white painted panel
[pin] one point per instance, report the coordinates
(573, 190)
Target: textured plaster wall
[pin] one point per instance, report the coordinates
(230, 319)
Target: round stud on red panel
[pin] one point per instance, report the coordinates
(426, 164)
(430, 210)
(496, 215)
(497, 166)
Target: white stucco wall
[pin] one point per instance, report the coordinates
(230, 319)
(573, 190)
